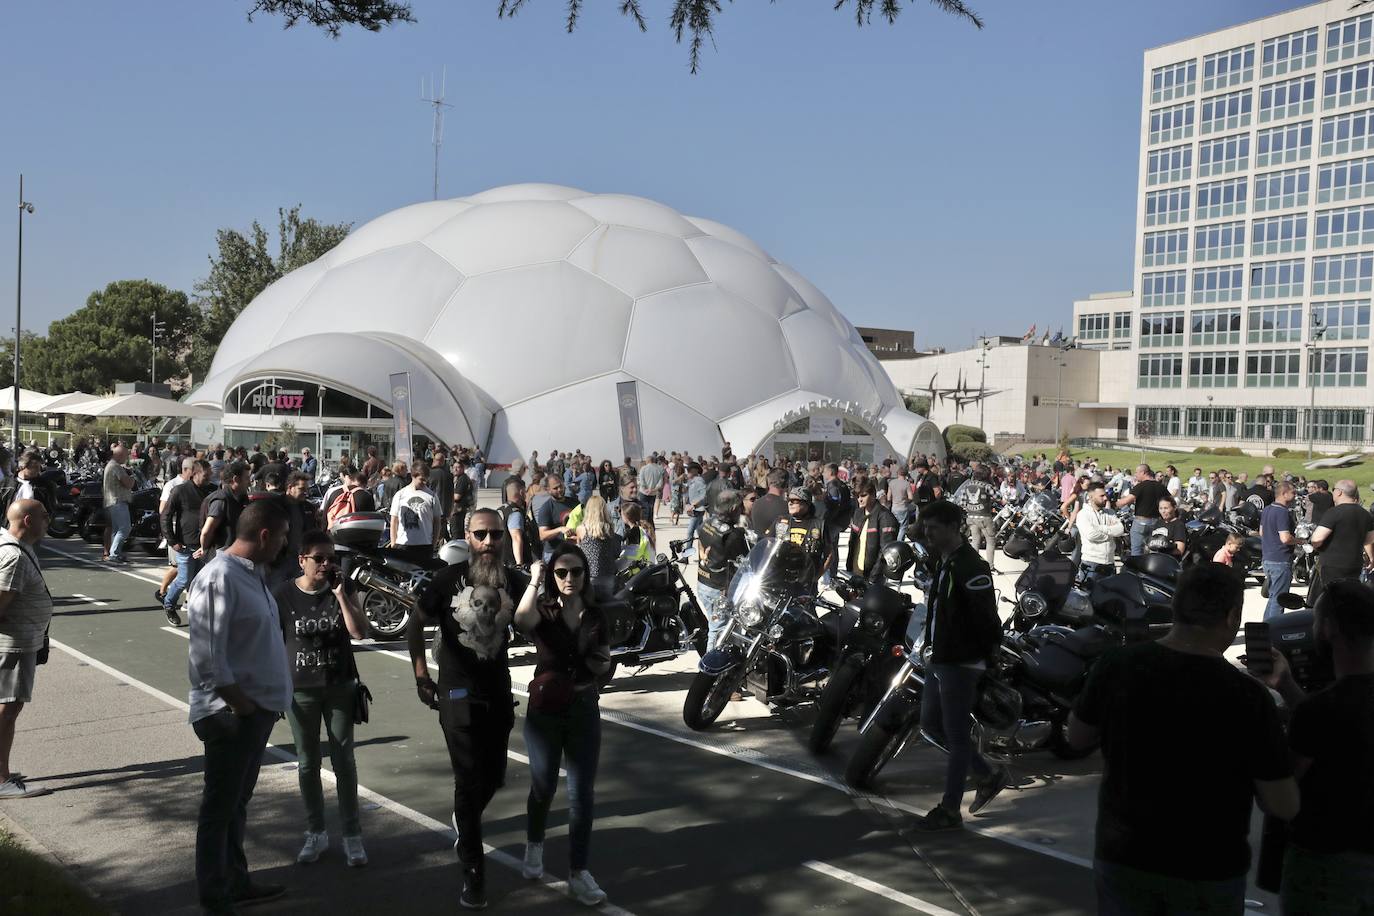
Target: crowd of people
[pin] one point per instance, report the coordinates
(272, 619)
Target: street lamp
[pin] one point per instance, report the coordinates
(159, 331)
(1061, 359)
(24, 207)
(1318, 332)
(983, 382)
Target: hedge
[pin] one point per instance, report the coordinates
(960, 432)
(972, 451)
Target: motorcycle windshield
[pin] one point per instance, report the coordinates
(773, 567)
(1039, 506)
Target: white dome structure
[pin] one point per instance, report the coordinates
(518, 311)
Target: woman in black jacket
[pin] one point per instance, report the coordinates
(607, 481)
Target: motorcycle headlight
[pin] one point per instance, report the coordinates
(872, 622)
(776, 633)
(1033, 604)
(750, 613)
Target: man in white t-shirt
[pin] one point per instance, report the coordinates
(170, 573)
(415, 515)
(1174, 484)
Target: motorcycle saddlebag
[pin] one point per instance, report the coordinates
(1057, 658)
(359, 530)
(1292, 634)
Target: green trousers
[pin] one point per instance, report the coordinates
(334, 705)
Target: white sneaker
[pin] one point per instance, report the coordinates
(534, 861)
(354, 852)
(314, 847)
(18, 787)
(584, 889)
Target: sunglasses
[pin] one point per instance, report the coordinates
(564, 572)
(482, 534)
(321, 558)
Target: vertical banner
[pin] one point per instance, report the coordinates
(400, 415)
(627, 397)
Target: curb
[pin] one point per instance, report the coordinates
(31, 843)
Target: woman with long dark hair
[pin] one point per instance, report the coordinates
(564, 716)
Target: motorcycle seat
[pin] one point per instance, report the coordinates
(1155, 565)
(618, 604)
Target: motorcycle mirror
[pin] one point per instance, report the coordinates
(1290, 601)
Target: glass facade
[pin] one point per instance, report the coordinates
(1228, 68)
(1219, 242)
(1096, 326)
(1172, 123)
(1164, 329)
(1269, 423)
(1172, 164)
(1287, 99)
(1215, 328)
(1350, 180)
(1277, 279)
(1288, 53)
(1279, 234)
(1210, 422)
(1282, 190)
(1160, 370)
(1165, 207)
(1348, 38)
(1347, 133)
(1217, 284)
(1273, 368)
(1345, 227)
(1281, 145)
(1340, 367)
(1166, 288)
(1226, 112)
(1336, 274)
(1213, 369)
(1222, 155)
(1348, 320)
(1216, 199)
(1175, 81)
(1158, 422)
(1274, 324)
(1165, 248)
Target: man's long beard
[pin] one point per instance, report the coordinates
(486, 569)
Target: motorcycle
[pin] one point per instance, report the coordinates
(1039, 526)
(774, 645)
(1304, 557)
(874, 620)
(654, 616)
(390, 584)
(1208, 532)
(91, 518)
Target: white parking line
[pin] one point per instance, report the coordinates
(882, 890)
(89, 600)
(410, 814)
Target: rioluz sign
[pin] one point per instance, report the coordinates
(270, 397)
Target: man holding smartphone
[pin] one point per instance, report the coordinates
(472, 603)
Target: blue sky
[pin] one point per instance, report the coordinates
(925, 175)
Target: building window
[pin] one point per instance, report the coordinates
(1274, 324)
(1346, 226)
(1211, 422)
(1288, 53)
(1277, 279)
(1339, 274)
(1223, 155)
(1214, 199)
(1347, 86)
(1121, 324)
(1162, 330)
(1228, 68)
(1282, 190)
(1269, 423)
(1165, 207)
(1215, 328)
(1287, 99)
(1347, 133)
(1218, 284)
(1273, 368)
(1172, 123)
(1176, 81)
(1339, 367)
(1335, 424)
(1347, 320)
(1279, 145)
(1213, 370)
(1174, 163)
(1348, 38)
(1219, 242)
(1163, 288)
(1279, 234)
(1160, 422)
(1161, 370)
(1227, 112)
(1165, 248)
(1349, 180)
(1094, 327)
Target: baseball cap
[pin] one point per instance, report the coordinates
(800, 493)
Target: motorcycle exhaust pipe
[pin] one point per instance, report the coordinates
(366, 578)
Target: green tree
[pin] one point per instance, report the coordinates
(27, 379)
(693, 19)
(243, 266)
(918, 404)
(108, 340)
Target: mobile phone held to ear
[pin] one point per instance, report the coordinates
(1257, 645)
(335, 577)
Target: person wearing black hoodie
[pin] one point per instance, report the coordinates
(180, 522)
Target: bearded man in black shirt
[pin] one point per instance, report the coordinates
(473, 604)
(1344, 540)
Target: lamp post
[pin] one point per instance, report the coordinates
(159, 329)
(1061, 359)
(1318, 332)
(983, 381)
(24, 207)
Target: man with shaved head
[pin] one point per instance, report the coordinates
(118, 489)
(1344, 541)
(25, 612)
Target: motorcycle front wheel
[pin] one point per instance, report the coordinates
(834, 703)
(387, 618)
(89, 532)
(878, 746)
(60, 526)
(706, 699)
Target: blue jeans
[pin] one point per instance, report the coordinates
(548, 736)
(693, 526)
(717, 611)
(120, 526)
(1125, 891)
(1140, 532)
(1327, 884)
(1279, 575)
(187, 567)
(946, 710)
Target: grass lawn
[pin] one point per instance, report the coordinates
(1362, 474)
(32, 886)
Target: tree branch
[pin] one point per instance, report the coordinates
(333, 15)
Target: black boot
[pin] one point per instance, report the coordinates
(474, 895)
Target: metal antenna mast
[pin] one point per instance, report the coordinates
(428, 95)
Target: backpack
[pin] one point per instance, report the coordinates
(530, 531)
(343, 504)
